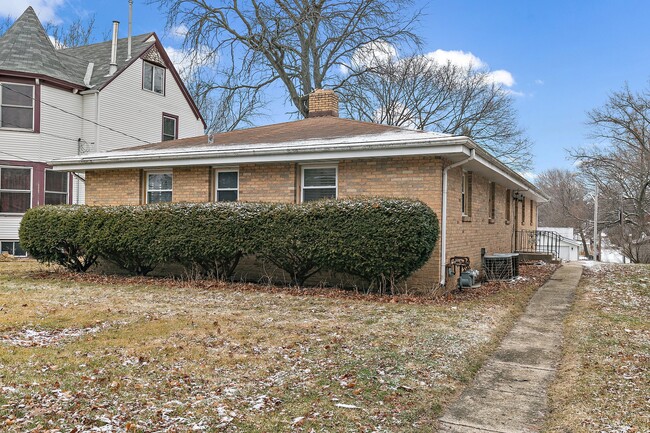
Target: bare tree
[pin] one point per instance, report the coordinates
(569, 204)
(419, 93)
(78, 33)
(299, 44)
(619, 163)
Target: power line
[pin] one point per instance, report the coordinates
(77, 116)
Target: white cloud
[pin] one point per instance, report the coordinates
(178, 31)
(456, 58)
(45, 9)
(57, 44)
(501, 77)
(183, 59)
(371, 54)
(539, 82)
(467, 60)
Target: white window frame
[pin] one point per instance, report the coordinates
(146, 179)
(67, 190)
(14, 247)
(216, 181)
(31, 187)
(14, 128)
(153, 78)
(309, 167)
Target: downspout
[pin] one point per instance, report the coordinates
(443, 228)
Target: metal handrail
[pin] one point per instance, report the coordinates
(538, 241)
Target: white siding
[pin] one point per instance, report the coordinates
(89, 129)
(125, 106)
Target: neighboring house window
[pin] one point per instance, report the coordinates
(466, 193)
(15, 189)
(12, 248)
(153, 78)
(318, 183)
(523, 211)
(159, 187)
(17, 106)
(169, 127)
(508, 200)
(491, 200)
(531, 212)
(227, 185)
(56, 187)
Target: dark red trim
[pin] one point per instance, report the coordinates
(127, 64)
(36, 125)
(38, 178)
(53, 81)
(171, 116)
(180, 83)
(37, 108)
(171, 68)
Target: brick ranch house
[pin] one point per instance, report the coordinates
(479, 200)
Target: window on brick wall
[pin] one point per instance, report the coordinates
(466, 194)
(508, 201)
(159, 187)
(15, 189)
(491, 201)
(56, 187)
(319, 183)
(227, 188)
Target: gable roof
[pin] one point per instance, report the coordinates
(315, 139)
(100, 54)
(25, 48)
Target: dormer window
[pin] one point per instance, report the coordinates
(17, 106)
(153, 78)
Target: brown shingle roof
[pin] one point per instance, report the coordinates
(299, 130)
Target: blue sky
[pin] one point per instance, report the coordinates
(563, 57)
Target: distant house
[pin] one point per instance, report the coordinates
(480, 201)
(57, 103)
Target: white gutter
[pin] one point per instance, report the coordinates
(443, 228)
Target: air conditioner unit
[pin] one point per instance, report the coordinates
(501, 266)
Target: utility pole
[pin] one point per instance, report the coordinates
(596, 249)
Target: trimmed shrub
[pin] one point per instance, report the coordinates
(383, 241)
(132, 237)
(51, 234)
(210, 236)
(379, 240)
(286, 238)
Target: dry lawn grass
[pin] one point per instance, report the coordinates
(604, 382)
(137, 354)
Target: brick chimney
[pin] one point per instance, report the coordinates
(323, 103)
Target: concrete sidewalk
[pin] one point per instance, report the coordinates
(509, 392)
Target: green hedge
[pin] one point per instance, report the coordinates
(382, 241)
(52, 234)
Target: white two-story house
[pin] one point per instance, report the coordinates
(59, 103)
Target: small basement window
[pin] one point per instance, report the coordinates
(12, 248)
(15, 189)
(56, 187)
(153, 78)
(159, 187)
(227, 185)
(17, 106)
(319, 183)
